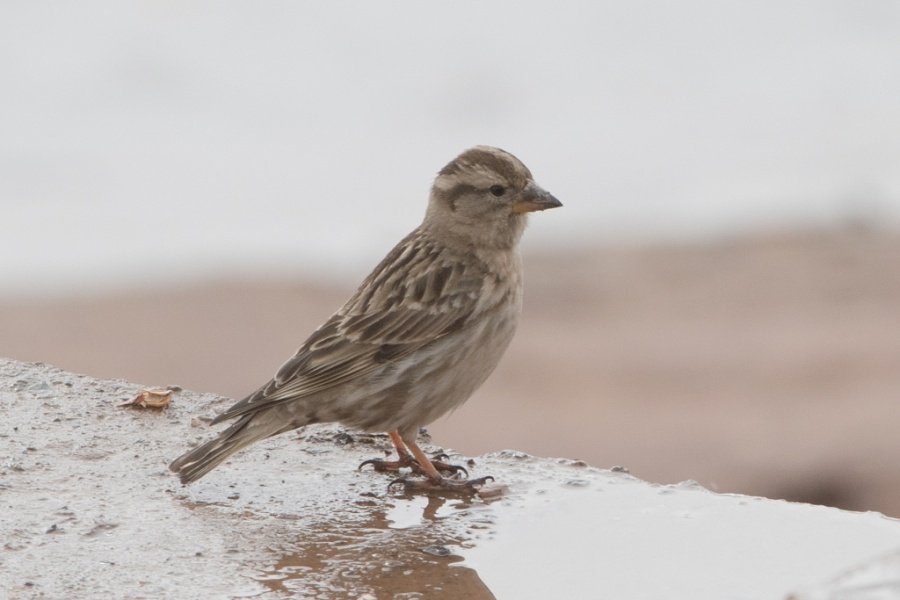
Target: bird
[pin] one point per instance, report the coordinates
(422, 332)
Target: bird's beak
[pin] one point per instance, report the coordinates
(534, 198)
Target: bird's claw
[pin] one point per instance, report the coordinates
(381, 465)
(447, 467)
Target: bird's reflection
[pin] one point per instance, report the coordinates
(384, 547)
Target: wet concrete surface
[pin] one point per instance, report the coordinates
(89, 509)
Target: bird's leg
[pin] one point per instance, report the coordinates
(405, 459)
(434, 480)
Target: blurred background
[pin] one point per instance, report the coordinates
(187, 189)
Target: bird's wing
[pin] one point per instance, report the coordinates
(416, 295)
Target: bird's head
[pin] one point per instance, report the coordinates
(483, 196)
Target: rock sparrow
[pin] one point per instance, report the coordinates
(419, 336)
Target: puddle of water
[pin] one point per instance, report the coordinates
(407, 514)
(417, 511)
(407, 547)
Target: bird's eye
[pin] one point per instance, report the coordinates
(497, 190)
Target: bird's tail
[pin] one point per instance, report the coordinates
(196, 463)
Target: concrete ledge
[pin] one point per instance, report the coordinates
(88, 509)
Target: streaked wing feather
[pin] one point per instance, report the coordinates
(416, 295)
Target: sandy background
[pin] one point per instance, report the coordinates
(765, 365)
